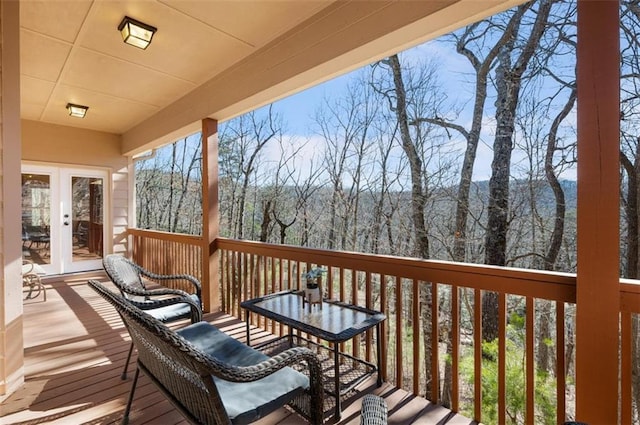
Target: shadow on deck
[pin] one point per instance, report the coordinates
(75, 346)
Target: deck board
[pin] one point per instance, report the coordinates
(75, 348)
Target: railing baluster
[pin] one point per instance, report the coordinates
(342, 297)
(281, 269)
(276, 274)
(626, 354)
(477, 355)
(415, 318)
(455, 347)
(341, 282)
(502, 358)
(253, 285)
(224, 290)
(330, 282)
(223, 286)
(263, 285)
(435, 338)
(561, 373)
(399, 333)
(355, 347)
(243, 282)
(368, 304)
(275, 265)
(530, 360)
(290, 274)
(384, 308)
(354, 288)
(230, 282)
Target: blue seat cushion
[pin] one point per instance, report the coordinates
(173, 312)
(245, 402)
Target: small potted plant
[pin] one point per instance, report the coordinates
(313, 290)
(314, 277)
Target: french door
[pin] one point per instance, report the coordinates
(63, 217)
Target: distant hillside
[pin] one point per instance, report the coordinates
(543, 192)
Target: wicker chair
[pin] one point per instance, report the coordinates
(213, 378)
(165, 304)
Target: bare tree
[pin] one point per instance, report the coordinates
(397, 99)
(246, 137)
(167, 185)
(510, 70)
(344, 124)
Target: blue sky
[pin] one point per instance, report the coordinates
(457, 78)
(298, 110)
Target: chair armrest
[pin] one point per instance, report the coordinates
(180, 296)
(156, 292)
(150, 304)
(161, 277)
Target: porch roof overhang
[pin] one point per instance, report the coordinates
(208, 59)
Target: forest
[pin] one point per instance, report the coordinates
(389, 166)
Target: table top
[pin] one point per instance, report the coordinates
(335, 322)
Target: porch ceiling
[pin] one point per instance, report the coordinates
(208, 58)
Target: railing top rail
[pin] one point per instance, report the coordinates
(539, 284)
(167, 236)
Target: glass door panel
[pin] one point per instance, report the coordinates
(86, 218)
(36, 218)
(83, 219)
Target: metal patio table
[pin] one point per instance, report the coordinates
(335, 322)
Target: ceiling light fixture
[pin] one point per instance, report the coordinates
(77, 110)
(136, 33)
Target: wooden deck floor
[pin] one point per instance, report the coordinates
(75, 347)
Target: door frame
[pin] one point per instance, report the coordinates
(61, 242)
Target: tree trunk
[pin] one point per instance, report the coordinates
(186, 182)
(544, 352)
(418, 201)
(265, 225)
(498, 221)
(482, 68)
(508, 83)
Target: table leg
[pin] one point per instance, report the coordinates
(379, 350)
(248, 332)
(336, 371)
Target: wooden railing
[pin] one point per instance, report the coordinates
(394, 285)
(167, 253)
(450, 292)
